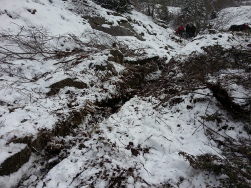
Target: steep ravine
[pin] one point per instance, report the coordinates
(50, 147)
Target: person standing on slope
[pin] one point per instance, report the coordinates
(181, 30)
(193, 30)
(188, 31)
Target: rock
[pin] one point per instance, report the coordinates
(41, 140)
(143, 61)
(124, 28)
(222, 96)
(95, 20)
(135, 152)
(36, 143)
(32, 11)
(100, 67)
(118, 56)
(242, 27)
(63, 83)
(16, 161)
(19, 158)
(111, 58)
(111, 67)
(212, 31)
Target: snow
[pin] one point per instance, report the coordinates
(233, 16)
(174, 10)
(225, 40)
(164, 132)
(157, 134)
(10, 150)
(11, 181)
(53, 16)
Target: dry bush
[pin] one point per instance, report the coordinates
(235, 166)
(27, 43)
(34, 43)
(37, 44)
(184, 77)
(235, 162)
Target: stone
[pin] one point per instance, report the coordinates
(118, 56)
(111, 67)
(111, 58)
(63, 83)
(124, 28)
(144, 60)
(16, 161)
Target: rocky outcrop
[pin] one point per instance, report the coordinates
(143, 61)
(109, 66)
(64, 128)
(116, 56)
(124, 28)
(136, 73)
(63, 83)
(14, 162)
(37, 144)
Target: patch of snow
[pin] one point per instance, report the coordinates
(233, 16)
(174, 10)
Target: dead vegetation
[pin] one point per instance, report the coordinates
(177, 78)
(225, 67)
(234, 164)
(33, 43)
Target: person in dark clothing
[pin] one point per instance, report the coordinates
(188, 31)
(242, 27)
(193, 30)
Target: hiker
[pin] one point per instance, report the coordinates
(188, 31)
(245, 27)
(242, 27)
(192, 30)
(181, 30)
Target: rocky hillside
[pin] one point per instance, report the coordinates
(94, 98)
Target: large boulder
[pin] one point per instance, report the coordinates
(117, 56)
(17, 160)
(66, 82)
(243, 27)
(124, 28)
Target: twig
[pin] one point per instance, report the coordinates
(227, 138)
(147, 138)
(188, 90)
(146, 169)
(77, 175)
(196, 129)
(165, 138)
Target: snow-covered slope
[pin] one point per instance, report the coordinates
(138, 145)
(52, 15)
(56, 20)
(233, 16)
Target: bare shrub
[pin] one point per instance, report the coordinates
(236, 166)
(34, 43)
(226, 66)
(28, 43)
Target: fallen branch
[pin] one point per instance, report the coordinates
(184, 91)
